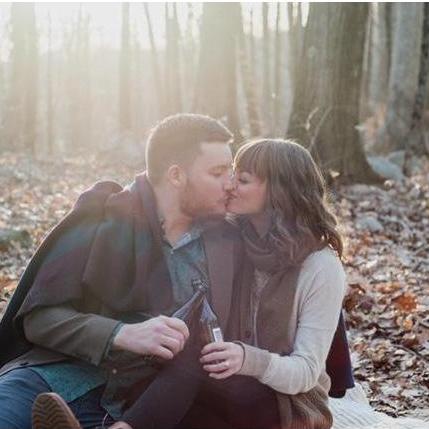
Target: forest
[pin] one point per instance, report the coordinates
(349, 81)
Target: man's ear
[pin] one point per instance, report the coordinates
(176, 176)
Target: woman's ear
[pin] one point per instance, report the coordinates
(176, 176)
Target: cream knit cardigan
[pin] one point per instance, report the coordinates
(320, 291)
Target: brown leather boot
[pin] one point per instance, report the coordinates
(50, 411)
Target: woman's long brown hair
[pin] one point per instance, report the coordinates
(302, 218)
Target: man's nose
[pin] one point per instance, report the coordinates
(229, 184)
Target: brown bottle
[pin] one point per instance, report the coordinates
(209, 324)
(190, 309)
(188, 312)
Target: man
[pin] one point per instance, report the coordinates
(121, 254)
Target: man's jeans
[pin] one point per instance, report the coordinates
(238, 402)
(20, 387)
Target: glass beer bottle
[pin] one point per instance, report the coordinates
(209, 324)
(189, 310)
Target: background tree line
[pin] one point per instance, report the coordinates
(345, 80)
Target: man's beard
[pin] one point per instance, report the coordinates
(191, 207)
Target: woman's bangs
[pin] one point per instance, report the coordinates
(251, 159)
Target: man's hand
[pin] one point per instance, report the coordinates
(120, 425)
(160, 336)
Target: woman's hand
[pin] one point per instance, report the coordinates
(222, 359)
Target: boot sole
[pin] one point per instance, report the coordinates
(50, 411)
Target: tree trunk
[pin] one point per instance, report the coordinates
(78, 85)
(86, 88)
(189, 58)
(167, 57)
(277, 71)
(403, 76)
(252, 42)
(295, 39)
(137, 89)
(248, 81)
(295, 45)
(266, 97)
(216, 93)
(417, 142)
(177, 64)
(3, 94)
(325, 109)
(125, 62)
(379, 58)
(14, 101)
(389, 32)
(49, 93)
(32, 81)
(21, 101)
(364, 110)
(172, 62)
(157, 77)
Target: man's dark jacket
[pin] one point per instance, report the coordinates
(103, 261)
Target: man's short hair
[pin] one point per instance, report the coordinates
(177, 140)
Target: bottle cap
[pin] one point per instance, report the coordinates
(199, 284)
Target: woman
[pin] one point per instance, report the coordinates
(294, 285)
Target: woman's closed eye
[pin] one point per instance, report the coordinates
(243, 178)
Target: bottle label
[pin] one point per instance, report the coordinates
(217, 334)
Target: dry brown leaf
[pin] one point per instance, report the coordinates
(405, 302)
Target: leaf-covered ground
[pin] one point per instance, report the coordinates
(387, 230)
